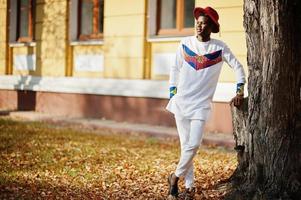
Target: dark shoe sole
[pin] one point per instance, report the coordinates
(173, 190)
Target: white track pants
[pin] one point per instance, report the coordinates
(190, 133)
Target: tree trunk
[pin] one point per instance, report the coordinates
(267, 128)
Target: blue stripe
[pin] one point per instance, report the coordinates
(213, 55)
(188, 51)
(192, 64)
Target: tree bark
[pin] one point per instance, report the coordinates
(267, 128)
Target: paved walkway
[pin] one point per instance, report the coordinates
(161, 132)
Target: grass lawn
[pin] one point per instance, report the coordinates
(43, 162)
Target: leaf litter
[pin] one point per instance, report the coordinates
(40, 162)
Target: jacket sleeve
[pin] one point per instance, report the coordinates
(175, 71)
(175, 68)
(235, 64)
(238, 68)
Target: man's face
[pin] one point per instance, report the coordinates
(203, 26)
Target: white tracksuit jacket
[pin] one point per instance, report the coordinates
(195, 74)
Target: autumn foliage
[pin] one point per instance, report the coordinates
(43, 162)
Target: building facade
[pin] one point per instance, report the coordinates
(106, 58)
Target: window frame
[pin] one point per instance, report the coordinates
(30, 22)
(180, 30)
(95, 24)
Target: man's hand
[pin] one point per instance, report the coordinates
(237, 100)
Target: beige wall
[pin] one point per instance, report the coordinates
(86, 50)
(51, 38)
(161, 47)
(124, 26)
(126, 52)
(3, 36)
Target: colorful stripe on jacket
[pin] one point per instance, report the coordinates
(172, 91)
(201, 61)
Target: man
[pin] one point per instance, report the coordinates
(193, 80)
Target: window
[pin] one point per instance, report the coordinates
(24, 22)
(21, 20)
(86, 20)
(90, 19)
(174, 17)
